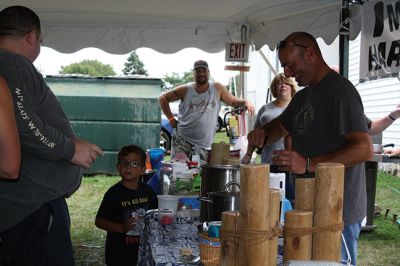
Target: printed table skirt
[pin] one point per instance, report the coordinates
(160, 245)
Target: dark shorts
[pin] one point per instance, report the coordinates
(42, 238)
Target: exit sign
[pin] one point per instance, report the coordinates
(237, 52)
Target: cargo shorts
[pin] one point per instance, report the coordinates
(179, 144)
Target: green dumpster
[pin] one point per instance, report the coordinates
(111, 112)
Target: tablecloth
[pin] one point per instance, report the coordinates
(160, 245)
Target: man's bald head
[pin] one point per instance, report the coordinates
(304, 39)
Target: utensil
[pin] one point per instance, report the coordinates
(214, 178)
(219, 201)
(191, 259)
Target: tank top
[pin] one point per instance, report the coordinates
(198, 115)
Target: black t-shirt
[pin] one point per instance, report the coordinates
(118, 204)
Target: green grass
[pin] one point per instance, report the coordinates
(88, 240)
(221, 137)
(378, 247)
(382, 246)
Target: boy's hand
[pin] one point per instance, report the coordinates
(129, 224)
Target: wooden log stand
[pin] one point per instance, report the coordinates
(274, 214)
(229, 238)
(328, 209)
(298, 235)
(304, 191)
(219, 151)
(254, 219)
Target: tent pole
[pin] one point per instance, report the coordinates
(243, 76)
(344, 33)
(267, 61)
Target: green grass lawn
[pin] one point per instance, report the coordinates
(378, 248)
(382, 246)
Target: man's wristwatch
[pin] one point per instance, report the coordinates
(391, 117)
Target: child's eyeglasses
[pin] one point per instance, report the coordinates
(131, 164)
(282, 44)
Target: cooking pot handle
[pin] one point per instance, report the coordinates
(205, 199)
(388, 145)
(230, 184)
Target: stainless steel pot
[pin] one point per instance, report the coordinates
(220, 201)
(213, 179)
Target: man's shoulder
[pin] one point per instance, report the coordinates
(184, 86)
(336, 79)
(216, 84)
(9, 54)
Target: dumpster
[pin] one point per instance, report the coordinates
(111, 112)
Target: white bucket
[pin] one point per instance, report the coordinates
(167, 208)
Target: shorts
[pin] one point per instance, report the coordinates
(179, 144)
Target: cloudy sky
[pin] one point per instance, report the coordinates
(50, 61)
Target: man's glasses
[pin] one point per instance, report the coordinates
(131, 164)
(282, 44)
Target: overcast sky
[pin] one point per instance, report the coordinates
(157, 65)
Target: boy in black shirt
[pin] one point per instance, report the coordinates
(123, 208)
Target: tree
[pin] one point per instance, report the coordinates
(134, 65)
(174, 79)
(92, 68)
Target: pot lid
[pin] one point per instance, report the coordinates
(224, 194)
(226, 167)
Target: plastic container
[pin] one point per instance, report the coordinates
(156, 157)
(191, 202)
(167, 208)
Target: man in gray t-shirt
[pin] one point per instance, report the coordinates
(34, 218)
(198, 111)
(327, 124)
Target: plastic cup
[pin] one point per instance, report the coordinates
(214, 228)
(156, 157)
(167, 208)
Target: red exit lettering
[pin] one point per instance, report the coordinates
(236, 50)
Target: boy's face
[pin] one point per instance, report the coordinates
(130, 167)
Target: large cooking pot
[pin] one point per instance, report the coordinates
(214, 178)
(220, 201)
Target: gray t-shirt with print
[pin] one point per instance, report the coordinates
(47, 144)
(198, 114)
(318, 118)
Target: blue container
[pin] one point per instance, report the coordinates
(191, 202)
(156, 157)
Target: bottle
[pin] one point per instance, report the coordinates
(195, 155)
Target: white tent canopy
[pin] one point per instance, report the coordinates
(120, 26)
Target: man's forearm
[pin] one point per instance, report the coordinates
(164, 105)
(274, 130)
(352, 153)
(237, 102)
(379, 125)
